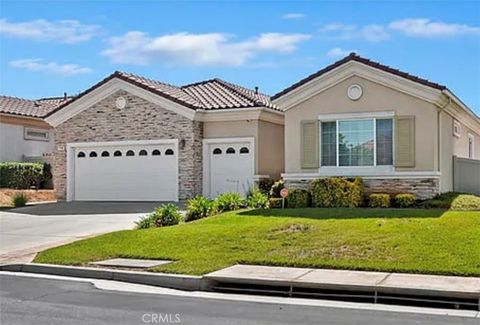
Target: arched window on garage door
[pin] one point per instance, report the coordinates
(217, 151)
(230, 151)
(117, 153)
(81, 154)
(105, 154)
(169, 152)
(156, 152)
(130, 153)
(143, 153)
(92, 154)
(244, 150)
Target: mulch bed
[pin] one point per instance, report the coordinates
(6, 195)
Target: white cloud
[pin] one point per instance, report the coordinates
(337, 51)
(293, 15)
(49, 67)
(370, 33)
(137, 47)
(63, 31)
(423, 27)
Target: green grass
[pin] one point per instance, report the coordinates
(420, 241)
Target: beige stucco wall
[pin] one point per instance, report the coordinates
(446, 152)
(269, 141)
(460, 144)
(375, 98)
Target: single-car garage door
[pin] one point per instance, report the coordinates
(125, 172)
(230, 167)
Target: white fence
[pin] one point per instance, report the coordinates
(466, 175)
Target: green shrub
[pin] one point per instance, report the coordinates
(264, 185)
(198, 208)
(275, 202)
(166, 215)
(466, 202)
(276, 188)
(257, 200)
(298, 198)
(19, 200)
(229, 201)
(440, 201)
(337, 192)
(379, 200)
(405, 200)
(21, 175)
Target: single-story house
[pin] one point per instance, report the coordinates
(130, 138)
(24, 135)
(401, 133)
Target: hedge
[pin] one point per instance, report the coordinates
(378, 200)
(298, 198)
(337, 192)
(22, 175)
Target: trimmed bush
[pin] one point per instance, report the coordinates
(276, 188)
(298, 198)
(337, 192)
(466, 202)
(405, 200)
(257, 200)
(264, 185)
(198, 208)
(275, 203)
(441, 201)
(166, 215)
(21, 175)
(19, 200)
(379, 200)
(229, 201)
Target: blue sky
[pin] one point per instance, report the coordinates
(47, 48)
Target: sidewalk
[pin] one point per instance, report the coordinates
(395, 283)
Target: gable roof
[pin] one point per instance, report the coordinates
(30, 108)
(355, 57)
(214, 94)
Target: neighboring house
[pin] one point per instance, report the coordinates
(24, 135)
(134, 139)
(399, 132)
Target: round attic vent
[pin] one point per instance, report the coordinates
(354, 92)
(120, 102)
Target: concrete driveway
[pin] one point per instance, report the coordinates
(28, 230)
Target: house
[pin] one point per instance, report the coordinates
(130, 138)
(24, 135)
(401, 133)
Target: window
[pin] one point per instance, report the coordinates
(36, 134)
(130, 153)
(92, 154)
(156, 152)
(81, 154)
(456, 128)
(143, 152)
(244, 150)
(217, 151)
(117, 153)
(365, 142)
(230, 150)
(169, 152)
(105, 154)
(471, 146)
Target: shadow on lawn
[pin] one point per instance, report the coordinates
(345, 213)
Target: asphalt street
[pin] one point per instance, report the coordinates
(30, 300)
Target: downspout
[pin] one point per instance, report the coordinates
(439, 144)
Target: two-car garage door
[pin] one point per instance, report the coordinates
(125, 172)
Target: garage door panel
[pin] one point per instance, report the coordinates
(131, 177)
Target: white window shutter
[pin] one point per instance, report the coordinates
(309, 144)
(405, 141)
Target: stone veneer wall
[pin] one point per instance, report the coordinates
(423, 188)
(139, 120)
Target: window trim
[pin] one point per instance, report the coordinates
(457, 125)
(374, 116)
(34, 138)
(471, 136)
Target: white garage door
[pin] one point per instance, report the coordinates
(126, 173)
(231, 167)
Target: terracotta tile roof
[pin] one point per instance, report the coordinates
(205, 95)
(31, 108)
(357, 58)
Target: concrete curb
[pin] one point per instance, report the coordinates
(173, 281)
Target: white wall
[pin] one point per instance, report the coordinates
(13, 146)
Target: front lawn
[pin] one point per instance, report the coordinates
(422, 241)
